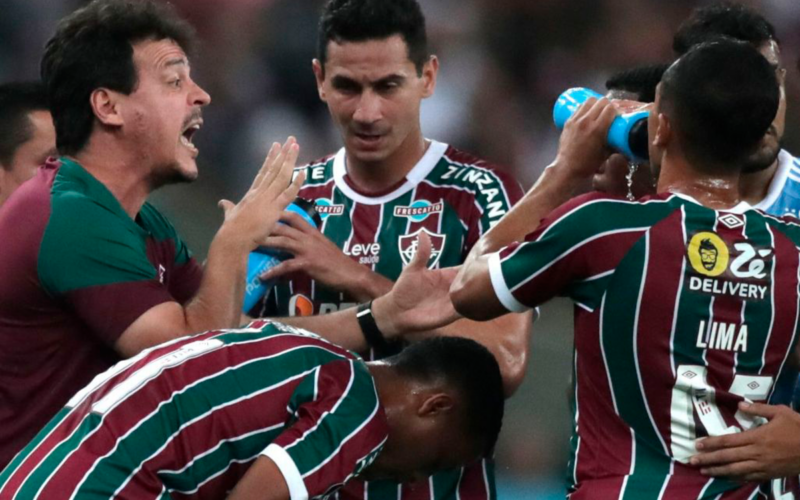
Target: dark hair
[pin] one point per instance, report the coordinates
(17, 101)
(641, 80)
(727, 19)
(721, 97)
(362, 20)
(93, 48)
(470, 369)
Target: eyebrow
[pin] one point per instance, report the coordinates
(340, 79)
(178, 61)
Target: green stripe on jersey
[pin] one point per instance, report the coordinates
(619, 338)
(22, 455)
(392, 228)
(199, 400)
(351, 411)
(35, 481)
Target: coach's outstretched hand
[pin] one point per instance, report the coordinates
(252, 219)
(768, 452)
(420, 299)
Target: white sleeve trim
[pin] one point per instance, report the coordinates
(500, 288)
(297, 488)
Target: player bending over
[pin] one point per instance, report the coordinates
(268, 411)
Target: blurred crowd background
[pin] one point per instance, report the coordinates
(503, 63)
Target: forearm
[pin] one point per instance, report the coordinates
(340, 327)
(507, 338)
(218, 303)
(367, 285)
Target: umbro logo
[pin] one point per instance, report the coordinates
(731, 221)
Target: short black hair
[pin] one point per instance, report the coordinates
(93, 48)
(721, 97)
(363, 20)
(729, 19)
(641, 80)
(470, 369)
(17, 101)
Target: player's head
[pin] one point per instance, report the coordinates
(713, 107)
(119, 68)
(27, 136)
(635, 84)
(745, 24)
(373, 69)
(445, 408)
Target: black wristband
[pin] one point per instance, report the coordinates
(372, 334)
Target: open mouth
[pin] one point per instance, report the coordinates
(187, 135)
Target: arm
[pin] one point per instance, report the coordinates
(219, 299)
(581, 150)
(767, 452)
(319, 258)
(263, 481)
(419, 307)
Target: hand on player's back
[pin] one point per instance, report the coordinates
(252, 219)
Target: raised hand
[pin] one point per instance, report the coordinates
(253, 218)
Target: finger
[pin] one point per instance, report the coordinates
(607, 115)
(737, 440)
(278, 164)
(722, 457)
(738, 469)
(583, 109)
(262, 172)
(226, 206)
(286, 267)
(420, 260)
(599, 107)
(760, 410)
(297, 222)
(280, 243)
(290, 193)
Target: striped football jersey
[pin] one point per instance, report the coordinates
(681, 312)
(186, 419)
(452, 196)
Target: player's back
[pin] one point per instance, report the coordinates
(189, 416)
(684, 312)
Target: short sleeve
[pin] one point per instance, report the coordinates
(336, 434)
(98, 264)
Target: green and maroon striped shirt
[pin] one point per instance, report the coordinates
(76, 272)
(186, 419)
(681, 312)
(454, 197)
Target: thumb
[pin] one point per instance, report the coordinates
(226, 206)
(420, 260)
(759, 409)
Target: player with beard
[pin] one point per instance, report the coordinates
(388, 185)
(92, 273)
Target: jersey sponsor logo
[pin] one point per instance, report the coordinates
(367, 253)
(488, 186)
(708, 254)
(326, 208)
(300, 305)
(419, 210)
(745, 267)
(409, 243)
(722, 336)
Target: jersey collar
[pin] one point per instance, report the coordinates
(421, 170)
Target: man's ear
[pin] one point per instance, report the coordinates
(430, 72)
(436, 404)
(663, 133)
(319, 75)
(105, 105)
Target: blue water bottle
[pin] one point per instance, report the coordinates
(627, 134)
(263, 259)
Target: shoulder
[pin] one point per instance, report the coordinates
(469, 169)
(318, 171)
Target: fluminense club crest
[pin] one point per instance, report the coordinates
(409, 243)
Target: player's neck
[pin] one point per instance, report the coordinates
(718, 191)
(754, 186)
(118, 172)
(376, 177)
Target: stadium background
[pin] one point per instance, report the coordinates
(503, 63)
